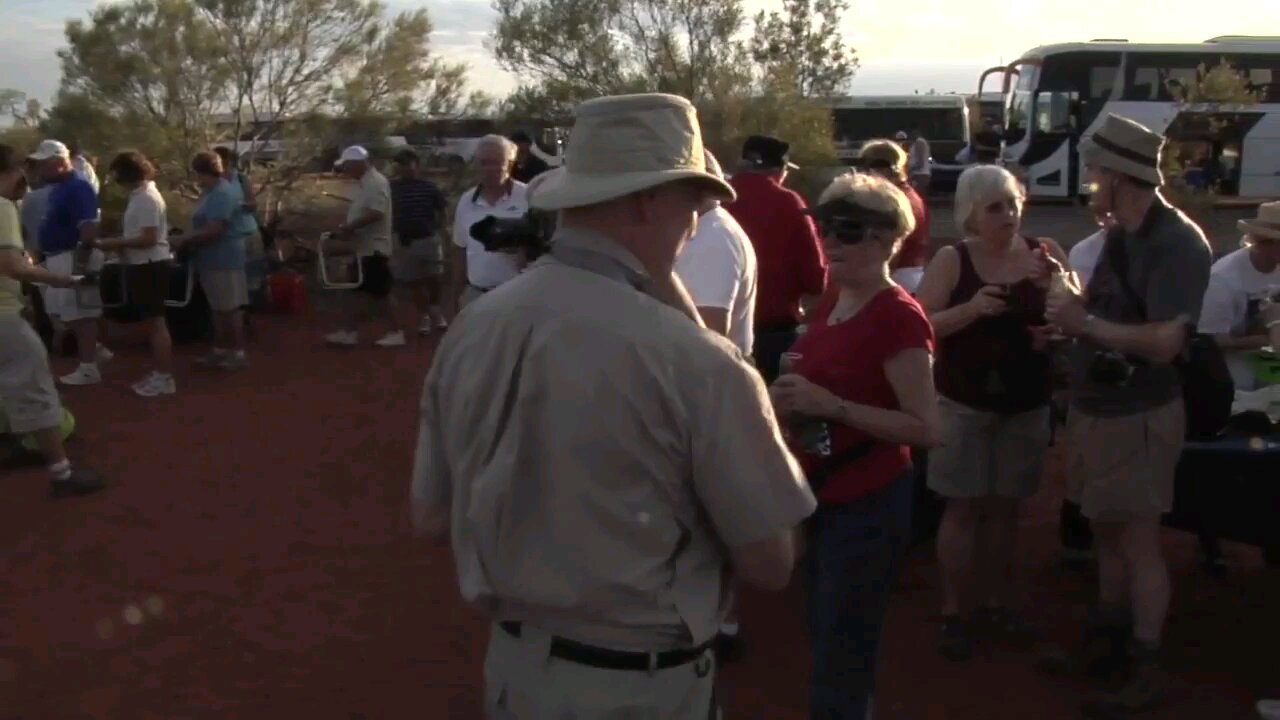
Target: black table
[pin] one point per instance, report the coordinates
(1229, 489)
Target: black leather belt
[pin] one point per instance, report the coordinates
(606, 659)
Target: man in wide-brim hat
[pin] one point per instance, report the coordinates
(1127, 420)
(599, 457)
(1239, 307)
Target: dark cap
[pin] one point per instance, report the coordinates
(520, 137)
(767, 152)
(406, 157)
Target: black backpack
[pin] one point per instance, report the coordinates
(1207, 388)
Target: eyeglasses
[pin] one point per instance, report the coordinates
(850, 224)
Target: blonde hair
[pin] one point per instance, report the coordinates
(878, 195)
(886, 151)
(507, 147)
(979, 185)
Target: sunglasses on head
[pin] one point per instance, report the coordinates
(850, 224)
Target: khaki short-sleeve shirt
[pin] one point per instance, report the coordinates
(598, 452)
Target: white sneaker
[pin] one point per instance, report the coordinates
(392, 339)
(104, 355)
(84, 375)
(1269, 709)
(342, 337)
(155, 385)
(427, 326)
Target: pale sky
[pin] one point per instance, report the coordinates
(903, 47)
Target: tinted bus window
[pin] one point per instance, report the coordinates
(868, 123)
(1149, 74)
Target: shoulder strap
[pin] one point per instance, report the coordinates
(837, 462)
(1118, 259)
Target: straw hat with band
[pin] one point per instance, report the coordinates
(1126, 147)
(1265, 225)
(625, 144)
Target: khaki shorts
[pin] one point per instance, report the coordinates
(26, 385)
(985, 453)
(522, 682)
(226, 290)
(422, 259)
(1121, 468)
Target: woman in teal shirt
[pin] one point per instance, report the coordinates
(216, 247)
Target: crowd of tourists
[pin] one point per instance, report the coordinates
(703, 374)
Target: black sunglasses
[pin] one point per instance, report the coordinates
(850, 224)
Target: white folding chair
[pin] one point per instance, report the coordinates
(322, 261)
(184, 299)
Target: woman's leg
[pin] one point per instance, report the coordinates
(161, 345)
(854, 556)
(957, 537)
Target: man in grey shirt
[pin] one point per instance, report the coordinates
(1126, 425)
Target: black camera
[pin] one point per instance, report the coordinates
(1111, 368)
(530, 233)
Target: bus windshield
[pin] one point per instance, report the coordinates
(865, 123)
(1020, 105)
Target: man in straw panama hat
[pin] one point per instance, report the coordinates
(1127, 422)
(1243, 299)
(598, 458)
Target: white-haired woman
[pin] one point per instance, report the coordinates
(857, 397)
(475, 270)
(986, 296)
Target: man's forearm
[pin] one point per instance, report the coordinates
(1248, 342)
(1154, 342)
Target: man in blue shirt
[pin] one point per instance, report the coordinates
(70, 225)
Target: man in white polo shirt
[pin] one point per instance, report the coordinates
(367, 233)
(718, 268)
(475, 270)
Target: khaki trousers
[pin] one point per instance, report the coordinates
(523, 682)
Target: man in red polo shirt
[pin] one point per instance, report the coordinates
(789, 254)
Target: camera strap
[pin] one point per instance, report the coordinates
(1118, 259)
(599, 263)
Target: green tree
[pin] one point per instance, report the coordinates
(1208, 105)
(804, 42)
(572, 50)
(25, 111)
(149, 73)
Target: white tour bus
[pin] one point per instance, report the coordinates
(943, 120)
(1057, 94)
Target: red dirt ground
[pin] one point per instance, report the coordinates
(256, 538)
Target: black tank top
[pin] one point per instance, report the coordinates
(990, 365)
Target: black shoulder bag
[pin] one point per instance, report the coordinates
(1207, 389)
(819, 477)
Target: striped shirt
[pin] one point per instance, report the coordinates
(416, 204)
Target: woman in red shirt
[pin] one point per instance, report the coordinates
(858, 396)
(887, 159)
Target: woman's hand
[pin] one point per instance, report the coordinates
(1041, 267)
(794, 395)
(988, 301)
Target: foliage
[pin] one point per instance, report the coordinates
(1207, 104)
(154, 68)
(577, 49)
(24, 110)
(805, 41)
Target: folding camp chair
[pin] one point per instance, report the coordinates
(180, 294)
(322, 261)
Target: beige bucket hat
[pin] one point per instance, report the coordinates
(623, 144)
(1126, 147)
(1265, 225)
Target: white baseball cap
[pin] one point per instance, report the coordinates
(51, 149)
(355, 153)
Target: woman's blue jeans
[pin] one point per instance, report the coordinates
(853, 554)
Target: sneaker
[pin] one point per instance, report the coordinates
(427, 326)
(342, 337)
(82, 481)
(955, 642)
(1100, 653)
(212, 360)
(392, 339)
(234, 361)
(1146, 688)
(84, 375)
(1006, 626)
(104, 355)
(1269, 709)
(155, 385)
